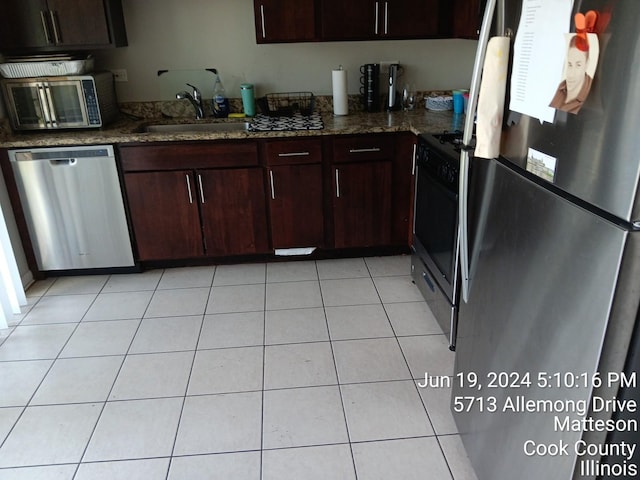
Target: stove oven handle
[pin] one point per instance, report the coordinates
(463, 227)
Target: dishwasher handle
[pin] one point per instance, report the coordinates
(63, 162)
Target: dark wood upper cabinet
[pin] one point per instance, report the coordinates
(31, 26)
(285, 20)
(380, 19)
(468, 18)
(339, 20)
(352, 20)
(415, 18)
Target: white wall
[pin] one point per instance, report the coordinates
(7, 211)
(194, 34)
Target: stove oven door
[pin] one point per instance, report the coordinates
(435, 265)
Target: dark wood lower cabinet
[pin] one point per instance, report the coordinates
(245, 198)
(295, 206)
(234, 216)
(164, 214)
(362, 204)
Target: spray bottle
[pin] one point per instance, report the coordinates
(220, 102)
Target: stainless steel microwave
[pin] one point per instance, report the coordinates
(42, 103)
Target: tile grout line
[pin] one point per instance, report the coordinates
(264, 358)
(193, 361)
(104, 404)
(335, 366)
(404, 356)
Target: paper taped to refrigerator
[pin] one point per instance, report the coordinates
(538, 56)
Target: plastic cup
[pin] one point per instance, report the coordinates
(248, 101)
(458, 101)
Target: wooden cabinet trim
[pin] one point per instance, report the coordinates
(188, 156)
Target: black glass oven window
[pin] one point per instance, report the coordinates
(66, 101)
(27, 103)
(436, 222)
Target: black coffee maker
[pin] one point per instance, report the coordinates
(370, 86)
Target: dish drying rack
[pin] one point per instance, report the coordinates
(287, 104)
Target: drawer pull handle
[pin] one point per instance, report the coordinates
(294, 154)
(273, 190)
(337, 183)
(189, 188)
(364, 150)
(428, 282)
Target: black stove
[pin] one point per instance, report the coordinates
(434, 263)
(440, 155)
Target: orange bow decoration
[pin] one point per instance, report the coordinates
(585, 23)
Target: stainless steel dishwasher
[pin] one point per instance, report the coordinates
(73, 206)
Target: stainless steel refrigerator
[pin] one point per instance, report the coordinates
(546, 331)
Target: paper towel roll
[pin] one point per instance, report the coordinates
(491, 98)
(340, 100)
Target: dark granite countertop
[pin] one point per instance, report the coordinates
(126, 130)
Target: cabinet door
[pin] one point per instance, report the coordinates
(410, 18)
(467, 18)
(350, 20)
(362, 204)
(79, 22)
(164, 214)
(23, 23)
(404, 168)
(285, 20)
(233, 209)
(295, 206)
(28, 26)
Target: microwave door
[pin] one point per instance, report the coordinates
(28, 106)
(67, 105)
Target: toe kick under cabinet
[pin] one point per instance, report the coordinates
(195, 200)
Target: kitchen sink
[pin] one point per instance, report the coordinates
(198, 127)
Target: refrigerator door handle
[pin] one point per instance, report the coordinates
(463, 226)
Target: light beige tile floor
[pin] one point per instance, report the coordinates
(278, 371)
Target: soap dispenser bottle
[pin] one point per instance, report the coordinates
(220, 102)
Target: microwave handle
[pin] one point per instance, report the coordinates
(44, 105)
(49, 105)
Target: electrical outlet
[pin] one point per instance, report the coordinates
(120, 75)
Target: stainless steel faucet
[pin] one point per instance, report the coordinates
(195, 98)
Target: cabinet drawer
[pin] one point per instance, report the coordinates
(293, 152)
(181, 156)
(363, 148)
